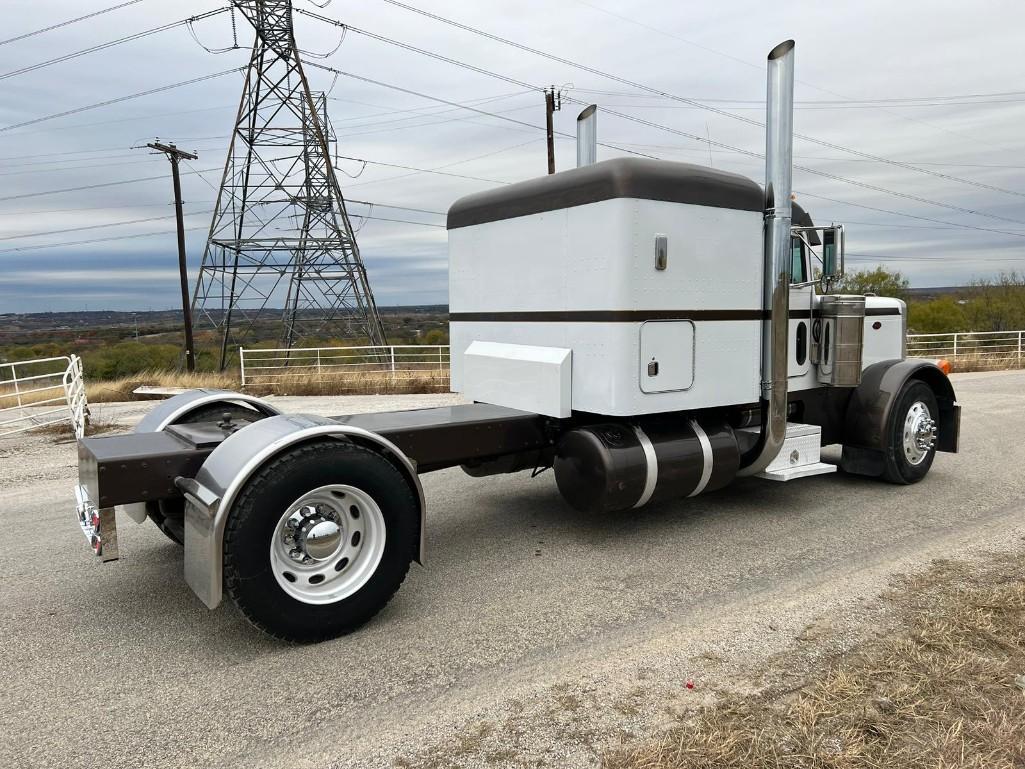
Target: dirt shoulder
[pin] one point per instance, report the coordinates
(929, 672)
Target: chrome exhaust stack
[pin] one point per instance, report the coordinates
(587, 136)
(779, 144)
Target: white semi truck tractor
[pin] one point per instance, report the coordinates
(649, 330)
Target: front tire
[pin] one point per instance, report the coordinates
(911, 434)
(319, 540)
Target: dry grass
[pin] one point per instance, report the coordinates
(963, 363)
(63, 431)
(363, 383)
(943, 689)
(123, 389)
(298, 384)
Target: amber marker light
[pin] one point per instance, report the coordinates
(943, 365)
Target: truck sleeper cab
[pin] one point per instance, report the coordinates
(646, 329)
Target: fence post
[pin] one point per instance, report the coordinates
(955, 345)
(441, 365)
(242, 363)
(1019, 348)
(318, 364)
(392, 349)
(17, 392)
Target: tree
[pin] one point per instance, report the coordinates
(997, 305)
(879, 281)
(942, 315)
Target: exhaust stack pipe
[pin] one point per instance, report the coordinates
(779, 144)
(587, 136)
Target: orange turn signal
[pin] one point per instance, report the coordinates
(943, 365)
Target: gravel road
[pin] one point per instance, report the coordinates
(533, 636)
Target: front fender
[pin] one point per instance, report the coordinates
(868, 410)
(210, 495)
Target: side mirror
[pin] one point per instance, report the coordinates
(832, 252)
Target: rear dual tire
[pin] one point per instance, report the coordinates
(319, 540)
(169, 514)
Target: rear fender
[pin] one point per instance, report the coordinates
(868, 411)
(210, 495)
(173, 410)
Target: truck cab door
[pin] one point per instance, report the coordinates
(801, 299)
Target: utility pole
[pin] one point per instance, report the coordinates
(553, 103)
(176, 155)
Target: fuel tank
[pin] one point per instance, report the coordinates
(623, 465)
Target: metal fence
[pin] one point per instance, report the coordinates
(997, 348)
(326, 364)
(45, 391)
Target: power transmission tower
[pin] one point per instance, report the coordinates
(280, 233)
(553, 103)
(176, 155)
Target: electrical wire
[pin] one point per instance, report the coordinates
(96, 186)
(418, 170)
(110, 44)
(695, 137)
(165, 233)
(382, 84)
(69, 21)
(692, 102)
(662, 31)
(118, 100)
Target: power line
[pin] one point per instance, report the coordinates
(365, 79)
(685, 100)
(816, 172)
(417, 170)
(111, 43)
(910, 216)
(91, 186)
(662, 31)
(659, 126)
(165, 234)
(815, 102)
(69, 21)
(97, 226)
(85, 228)
(95, 208)
(119, 99)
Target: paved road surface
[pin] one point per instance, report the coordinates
(547, 623)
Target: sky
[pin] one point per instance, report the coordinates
(858, 64)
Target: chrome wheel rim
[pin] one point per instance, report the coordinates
(919, 435)
(327, 544)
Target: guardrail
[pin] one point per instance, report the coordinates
(45, 391)
(993, 347)
(323, 364)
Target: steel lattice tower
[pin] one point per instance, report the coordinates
(280, 231)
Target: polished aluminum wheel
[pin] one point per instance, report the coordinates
(919, 435)
(327, 544)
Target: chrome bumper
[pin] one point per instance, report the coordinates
(98, 525)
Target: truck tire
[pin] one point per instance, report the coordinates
(318, 540)
(169, 514)
(911, 434)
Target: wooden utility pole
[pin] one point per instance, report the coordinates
(553, 103)
(176, 155)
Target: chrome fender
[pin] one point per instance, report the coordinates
(210, 495)
(173, 409)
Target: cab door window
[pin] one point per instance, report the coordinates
(798, 270)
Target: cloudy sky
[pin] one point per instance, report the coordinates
(936, 85)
